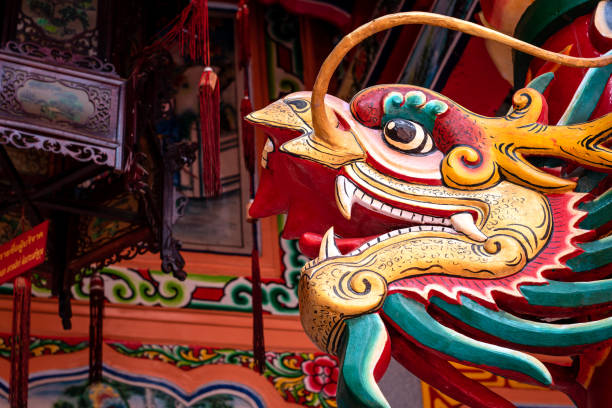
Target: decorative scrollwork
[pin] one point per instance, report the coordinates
(77, 151)
(11, 80)
(102, 100)
(86, 153)
(60, 56)
(124, 254)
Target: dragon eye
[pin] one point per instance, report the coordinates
(408, 137)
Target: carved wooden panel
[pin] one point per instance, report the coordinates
(78, 26)
(48, 101)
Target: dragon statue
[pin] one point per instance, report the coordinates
(440, 235)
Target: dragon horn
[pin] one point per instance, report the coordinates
(328, 134)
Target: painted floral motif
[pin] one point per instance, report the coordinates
(309, 379)
(40, 347)
(321, 375)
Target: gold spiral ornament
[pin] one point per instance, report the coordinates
(369, 284)
(464, 167)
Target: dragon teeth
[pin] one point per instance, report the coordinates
(347, 194)
(394, 233)
(328, 245)
(327, 249)
(345, 190)
(463, 222)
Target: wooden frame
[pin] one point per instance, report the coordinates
(43, 121)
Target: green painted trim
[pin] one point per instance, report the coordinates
(568, 294)
(221, 279)
(520, 331)
(541, 82)
(599, 211)
(596, 254)
(362, 345)
(127, 286)
(587, 95)
(541, 19)
(412, 317)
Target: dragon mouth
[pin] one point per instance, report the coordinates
(349, 194)
(426, 214)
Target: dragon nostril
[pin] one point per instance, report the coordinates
(408, 137)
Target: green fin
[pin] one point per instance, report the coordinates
(412, 317)
(362, 344)
(520, 331)
(587, 95)
(599, 211)
(596, 254)
(540, 83)
(568, 294)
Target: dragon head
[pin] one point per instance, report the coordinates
(404, 192)
(401, 165)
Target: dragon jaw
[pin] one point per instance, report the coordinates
(516, 224)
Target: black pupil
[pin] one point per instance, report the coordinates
(400, 130)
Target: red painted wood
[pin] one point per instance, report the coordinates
(20, 347)
(441, 375)
(600, 391)
(475, 82)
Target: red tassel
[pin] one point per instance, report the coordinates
(259, 349)
(209, 129)
(96, 315)
(190, 29)
(248, 135)
(18, 394)
(244, 44)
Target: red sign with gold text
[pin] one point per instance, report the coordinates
(23, 252)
